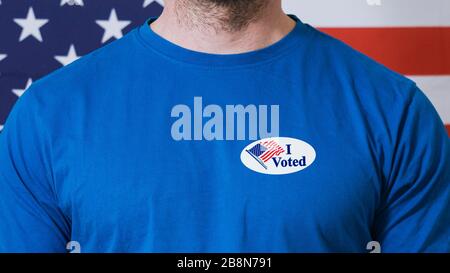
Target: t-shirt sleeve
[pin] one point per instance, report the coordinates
(30, 220)
(414, 215)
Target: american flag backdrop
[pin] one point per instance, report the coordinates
(40, 36)
(409, 36)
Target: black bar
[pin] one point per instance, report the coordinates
(257, 262)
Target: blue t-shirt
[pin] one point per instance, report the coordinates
(303, 146)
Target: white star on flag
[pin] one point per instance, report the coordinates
(30, 26)
(1, 127)
(148, 2)
(3, 56)
(70, 57)
(113, 26)
(19, 92)
(72, 2)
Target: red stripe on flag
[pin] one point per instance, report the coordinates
(448, 129)
(407, 50)
(265, 157)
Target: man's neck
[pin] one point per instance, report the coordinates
(266, 30)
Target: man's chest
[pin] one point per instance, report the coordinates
(150, 188)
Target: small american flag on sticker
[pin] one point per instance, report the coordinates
(264, 151)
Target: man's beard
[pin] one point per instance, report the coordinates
(220, 15)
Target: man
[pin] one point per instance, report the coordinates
(224, 126)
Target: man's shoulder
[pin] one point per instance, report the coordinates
(347, 63)
(337, 50)
(69, 90)
(85, 72)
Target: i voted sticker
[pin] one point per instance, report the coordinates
(278, 155)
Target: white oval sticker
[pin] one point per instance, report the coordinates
(278, 155)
